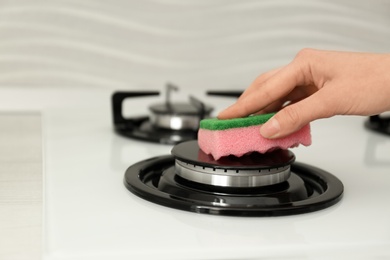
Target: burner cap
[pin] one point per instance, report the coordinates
(252, 170)
(190, 152)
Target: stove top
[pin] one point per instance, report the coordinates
(90, 214)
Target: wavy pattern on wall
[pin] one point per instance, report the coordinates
(218, 44)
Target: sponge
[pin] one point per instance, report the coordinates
(240, 136)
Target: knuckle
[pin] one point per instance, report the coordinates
(262, 78)
(305, 53)
(304, 61)
(268, 95)
(291, 117)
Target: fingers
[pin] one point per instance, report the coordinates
(294, 96)
(294, 117)
(258, 81)
(230, 111)
(260, 95)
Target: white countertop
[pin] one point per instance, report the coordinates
(21, 186)
(89, 214)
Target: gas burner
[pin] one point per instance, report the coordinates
(168, 123)
(379, 123)
(256, 184)
(193, 164)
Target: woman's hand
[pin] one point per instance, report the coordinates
(316, 84)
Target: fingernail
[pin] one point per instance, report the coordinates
(270, 129)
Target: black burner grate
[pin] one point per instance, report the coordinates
(308, 189)
(378, 123)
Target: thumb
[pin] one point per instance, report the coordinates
(293, 117)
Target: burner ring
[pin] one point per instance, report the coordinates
(175, 122)
(232, 177)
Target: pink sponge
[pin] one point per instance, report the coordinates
(241, 136)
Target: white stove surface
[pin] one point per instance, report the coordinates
(89, 214)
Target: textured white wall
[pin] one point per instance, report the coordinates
(121, 44)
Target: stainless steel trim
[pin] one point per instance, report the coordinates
(175, 122)
(232, 178)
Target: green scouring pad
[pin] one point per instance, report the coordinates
(218, 124)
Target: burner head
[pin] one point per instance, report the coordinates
(178, 116)
(252, 170)
(169, 123)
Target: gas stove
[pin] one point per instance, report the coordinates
(90, 214)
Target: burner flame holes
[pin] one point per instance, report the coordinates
(219, 202)
(232, 177)
(232, 171)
